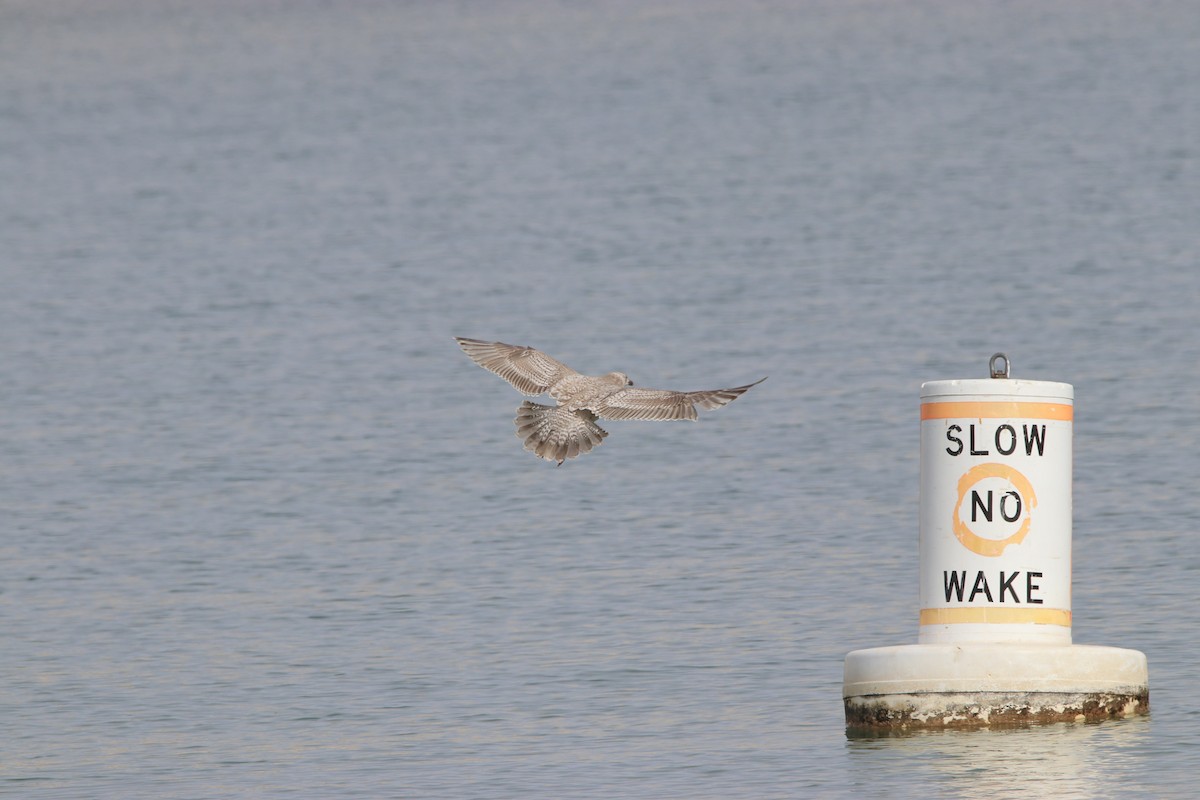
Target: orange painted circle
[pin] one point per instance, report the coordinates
(971, 540)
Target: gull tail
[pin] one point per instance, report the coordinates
(555, 433)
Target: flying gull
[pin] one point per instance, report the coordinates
(569, 428)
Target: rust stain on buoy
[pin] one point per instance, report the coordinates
(991, 709)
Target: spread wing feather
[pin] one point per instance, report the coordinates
(531, 371)
(664, 404)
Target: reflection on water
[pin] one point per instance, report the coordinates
(1064, 760)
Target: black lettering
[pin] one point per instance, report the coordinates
(1030, 587)
(1012, 440)
(1017, 513)
(981, 585)
(977, 505)
(1006, 586)
(975, 452)
(950, 437)
(955, 583)
(1034, 436)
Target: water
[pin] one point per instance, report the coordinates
(267, 533)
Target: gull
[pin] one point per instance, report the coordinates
(569, 429)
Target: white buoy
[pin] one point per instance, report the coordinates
(994, 641)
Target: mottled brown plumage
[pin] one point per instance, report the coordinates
(569, 428)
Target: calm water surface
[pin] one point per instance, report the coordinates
(267, 533)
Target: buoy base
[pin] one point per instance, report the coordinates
(980, 685)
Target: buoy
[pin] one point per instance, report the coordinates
(994, 627)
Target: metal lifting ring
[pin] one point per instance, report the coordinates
(999, 372)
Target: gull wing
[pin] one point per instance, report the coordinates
(664, 404)
(531, 371)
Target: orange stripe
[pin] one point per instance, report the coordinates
(991, 616)
(997, 410)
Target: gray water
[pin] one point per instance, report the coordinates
(266, 532)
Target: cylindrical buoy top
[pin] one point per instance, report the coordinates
(996, 462)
